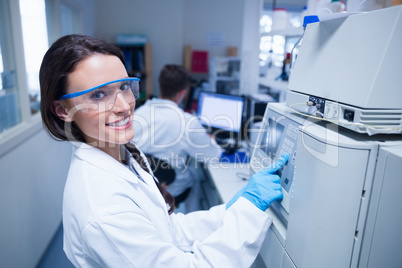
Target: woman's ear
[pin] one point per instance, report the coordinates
(60, 111)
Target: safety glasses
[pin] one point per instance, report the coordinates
(103, 97)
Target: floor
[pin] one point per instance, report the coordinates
(54, 255)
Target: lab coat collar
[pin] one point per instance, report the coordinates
(102, 160)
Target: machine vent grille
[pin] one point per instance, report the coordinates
(381, 118)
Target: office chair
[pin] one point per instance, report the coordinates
(166, 174)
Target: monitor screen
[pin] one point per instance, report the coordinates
(220, 111)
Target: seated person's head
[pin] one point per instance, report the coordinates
(174, 80)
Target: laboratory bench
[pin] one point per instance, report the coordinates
(222, 181)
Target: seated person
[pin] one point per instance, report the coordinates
(165, 131)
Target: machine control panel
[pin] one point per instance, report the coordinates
(278, 136)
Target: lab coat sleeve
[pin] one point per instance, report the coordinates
(196, 225)
(130, 240)
(238, 240)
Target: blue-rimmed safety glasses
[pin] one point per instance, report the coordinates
(103, 97)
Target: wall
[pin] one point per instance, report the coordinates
(33, 167)
(169, 25)
(290, 5)
(249, 75)
(31, 190)
(224, 17)
(161, 21)
(84, 13)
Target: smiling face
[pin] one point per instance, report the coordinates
(102, 129)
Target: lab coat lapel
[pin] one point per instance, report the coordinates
(149, 180)
(147, 194)
(152, 202)
(156, 213)
(102, 160)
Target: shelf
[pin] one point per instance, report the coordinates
(224, 78)
(276, 86)
(269, 80)
(133, 72)
(202, 73)
(285, 32)
(139, 63)
(273, 84)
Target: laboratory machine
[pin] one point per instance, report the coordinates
(348, 70)
(341, 194)
(342, 181)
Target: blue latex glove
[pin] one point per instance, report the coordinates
(264, 187)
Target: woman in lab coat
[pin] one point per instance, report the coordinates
(115, 213)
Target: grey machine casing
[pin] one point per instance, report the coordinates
(341, 194)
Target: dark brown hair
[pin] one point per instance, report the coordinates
(173, 79)
(58, 63)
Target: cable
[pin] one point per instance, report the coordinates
(243, 176)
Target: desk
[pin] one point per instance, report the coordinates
(222, 181)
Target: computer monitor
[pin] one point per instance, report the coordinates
(220, 111)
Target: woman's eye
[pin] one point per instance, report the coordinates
(97, 95)
(124, 86)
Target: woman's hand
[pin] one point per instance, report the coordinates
(264, 187)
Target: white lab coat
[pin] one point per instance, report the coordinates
(164, 130)
(113, 219)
